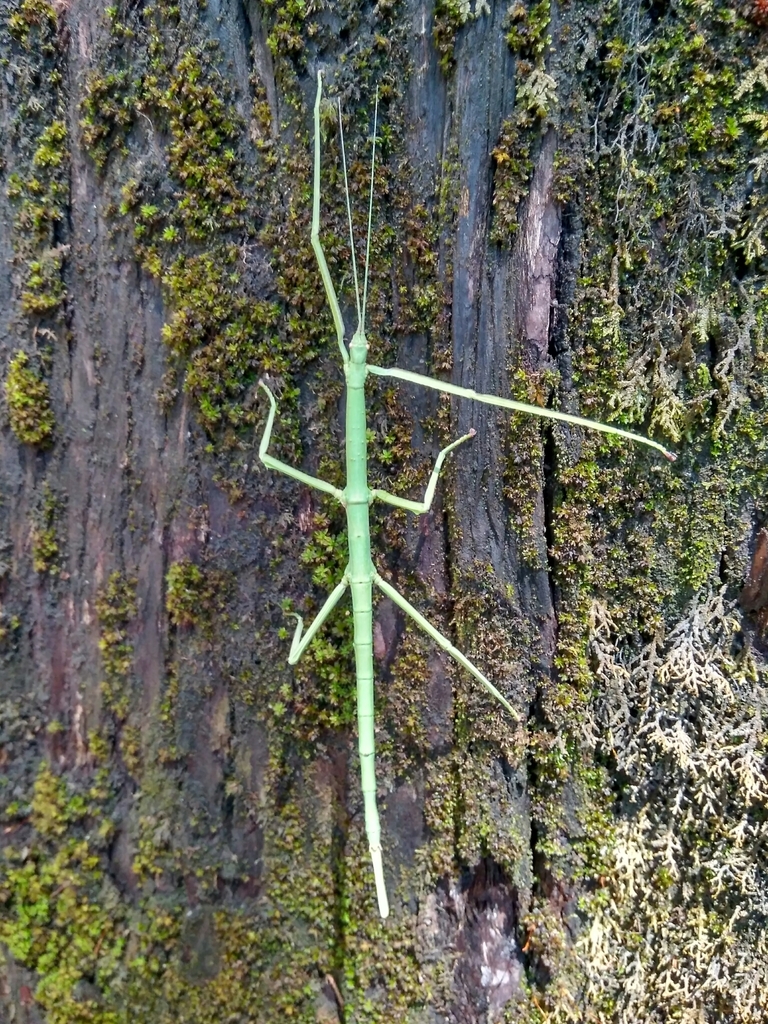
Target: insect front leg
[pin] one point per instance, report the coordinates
(282, 467)
(419, 507)
(300, 644)
(442, 641)
(325, 273)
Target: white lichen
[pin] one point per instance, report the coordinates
(678, 927)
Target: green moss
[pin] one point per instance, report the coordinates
(38, 182)
(95, 955)
(29, 403)
(109, 110)
(10, 626)
(44, 288)
(31, 14)
(528, 36)
(51, 151)
(116, 609)
(469, 807)
(203, 128)
(194, 595)
(535, 107)
(230, 339)
(448, 20)
(522, 479)
(45, 545)
(225, 339)
(512, 172)
(55, 921)
(661, 339)
(450, 16)
(291, 27)
(671, 378)
(325, 694)
(130, 749)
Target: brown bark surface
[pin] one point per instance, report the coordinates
(569, 210)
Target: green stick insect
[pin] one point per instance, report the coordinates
(360, 575)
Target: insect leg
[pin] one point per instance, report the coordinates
(419, 507)
(509, 403)
(438, 637)
(299, 644)
(282, 467)
(325, 273)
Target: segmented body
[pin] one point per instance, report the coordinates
(360, 572)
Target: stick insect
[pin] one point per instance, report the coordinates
(361, 575)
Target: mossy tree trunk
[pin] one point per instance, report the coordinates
(570, 209)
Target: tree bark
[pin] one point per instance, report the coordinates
(569, 209)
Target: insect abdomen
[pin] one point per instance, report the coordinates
(363, 625)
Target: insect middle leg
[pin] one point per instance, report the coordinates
(419, 507)
(283, 467)
(442, 641)
(300, 644)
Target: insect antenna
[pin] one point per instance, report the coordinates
(370, 207)
(349, 217)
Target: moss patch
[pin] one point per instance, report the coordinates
(116, 610)
(38, 184)
(60, 915)
(46, 552)
(194, 595)
(29, 403)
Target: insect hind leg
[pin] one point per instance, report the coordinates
(442, 641)
(300, 644)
